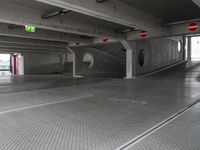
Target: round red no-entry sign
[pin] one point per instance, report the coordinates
(193, 27)
(104, 39)
(143, 34)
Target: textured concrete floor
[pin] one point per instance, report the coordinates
(183, 133)
(56, 112)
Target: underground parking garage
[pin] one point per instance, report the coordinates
(99, 75)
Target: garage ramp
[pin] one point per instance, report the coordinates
(157, 112)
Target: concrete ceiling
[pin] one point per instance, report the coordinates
(88, 22)
(45, 8)
(32, 5)
(168, 10)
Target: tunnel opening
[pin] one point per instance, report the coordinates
(11, 64)
(195, 51)
(5, 64)
(17, 63)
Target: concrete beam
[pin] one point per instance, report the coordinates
(40, 34)
(6, 51)
(31, 42)
(32, 47)
(135, 35)
(112, 11)
(94, 41)
(16, 14)
(197, 2)
(173, 30)
(182, 29)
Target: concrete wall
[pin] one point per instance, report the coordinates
(21, 64)
(158, 53)
(109, 61)
(41, 63)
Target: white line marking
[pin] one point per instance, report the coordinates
(40, 105)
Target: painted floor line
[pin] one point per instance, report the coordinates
(45, 104)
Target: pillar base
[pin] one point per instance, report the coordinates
(128, 78)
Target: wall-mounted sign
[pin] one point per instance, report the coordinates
(143, 34)
(29, 28)
(193, 27)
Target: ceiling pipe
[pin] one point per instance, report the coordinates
(55, 13)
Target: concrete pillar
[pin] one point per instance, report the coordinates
(184, 47)
(130, 60)
(21, 64)
(74, 63)
(129, 63)
(189, 49)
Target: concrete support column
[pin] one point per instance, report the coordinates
(130, 60)
(74, 63)
(189, 49)
(21, 64)
(129, 63)
(184, 47)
